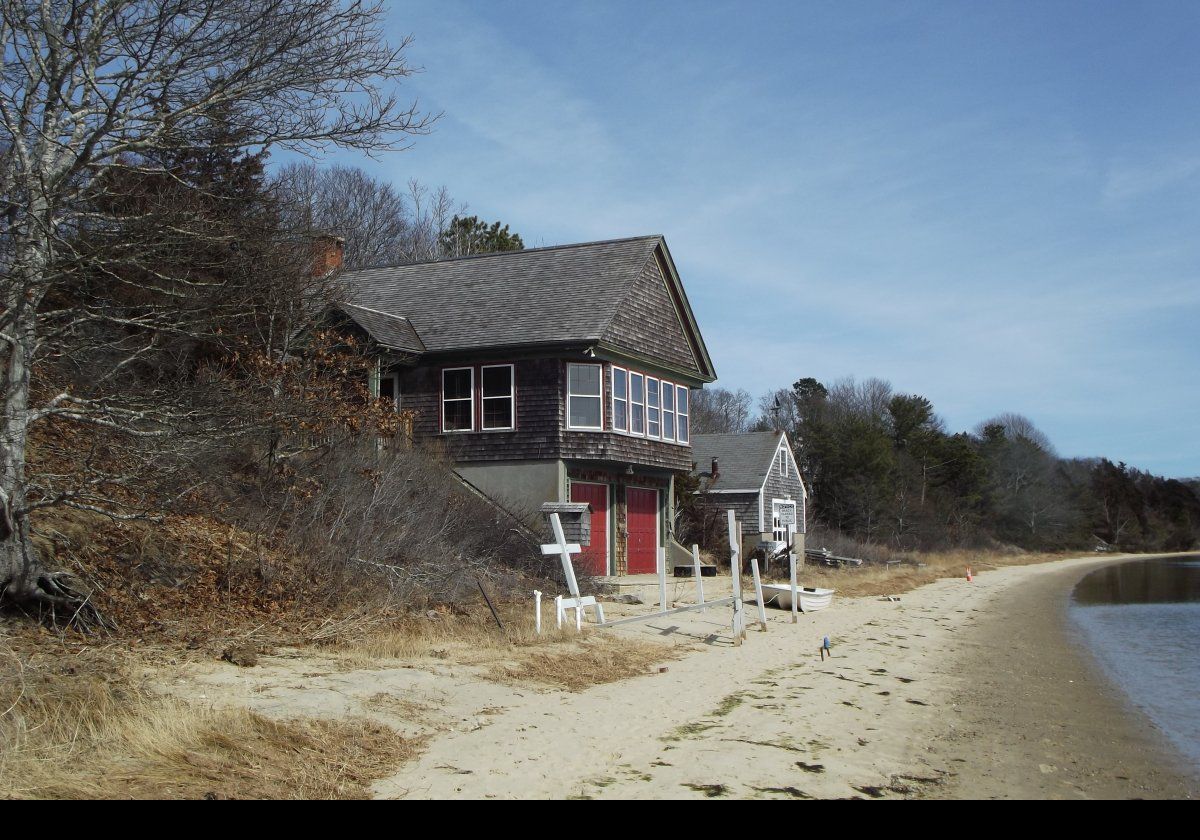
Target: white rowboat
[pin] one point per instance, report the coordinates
(811, 600)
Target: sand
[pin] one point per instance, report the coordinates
(958, 690)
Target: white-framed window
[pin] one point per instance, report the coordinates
(498, 388)
(783, 463)
(585, 400)
(653, 410)
(620, 399)
(668, 410)
(458, 399)
(682, 396)
(637, 404)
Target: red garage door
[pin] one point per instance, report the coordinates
(594, 558)
(643, 530)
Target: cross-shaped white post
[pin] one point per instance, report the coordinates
(564, 550)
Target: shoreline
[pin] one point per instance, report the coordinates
(1063, 728)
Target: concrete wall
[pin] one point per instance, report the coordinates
(520, 486)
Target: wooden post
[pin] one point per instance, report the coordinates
(697, 575)
(762, 607)
(558, 610)
(537, 611)
(792, 573)
(662, 579)
(564, 555)
(735, 570)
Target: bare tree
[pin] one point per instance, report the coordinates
(95, 93)
(380, 224)
(1018, 427)
(719, 410)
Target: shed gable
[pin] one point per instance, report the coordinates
(649, 322)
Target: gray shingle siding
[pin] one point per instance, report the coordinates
(778, 487)
(648, 324)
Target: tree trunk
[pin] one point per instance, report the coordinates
(25, 581)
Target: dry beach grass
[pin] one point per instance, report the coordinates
(87, 722)
(86, 726)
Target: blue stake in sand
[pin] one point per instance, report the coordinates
(826, 648)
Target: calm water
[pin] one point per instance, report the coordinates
(1142, 620)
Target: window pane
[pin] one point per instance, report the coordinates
(682, 399)
(668, 431)
(620, 414)
(585, 380)
(457, 414)
(652, 393)
(585, 411)
(620, 387)
(683, 428)
(668, 397)
(636, 381)
(387, 388)
(497, 381)
(497, 414)
(456, 384)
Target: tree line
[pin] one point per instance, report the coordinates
(882, 467)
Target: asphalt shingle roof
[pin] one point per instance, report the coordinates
(390, 331)
(743, 459)
(541, 295)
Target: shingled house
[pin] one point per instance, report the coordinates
(549, 375)
(755, 475)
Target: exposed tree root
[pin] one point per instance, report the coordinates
(55, 598)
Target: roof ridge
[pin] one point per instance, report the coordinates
(564, 247)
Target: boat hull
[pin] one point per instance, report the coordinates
(811, 599)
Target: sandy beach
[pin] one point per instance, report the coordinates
(957, 690)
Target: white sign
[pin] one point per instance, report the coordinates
(786, 514)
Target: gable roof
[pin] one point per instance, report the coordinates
(390, 331)
(556, 295)
(743, 459)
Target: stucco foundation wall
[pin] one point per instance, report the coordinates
(521, 487)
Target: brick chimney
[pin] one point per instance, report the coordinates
(715, 472)
(328, 251)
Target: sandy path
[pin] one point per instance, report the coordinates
(914, 702)
(766, 719)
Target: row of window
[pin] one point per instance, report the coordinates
(641, 404)
(496, 404)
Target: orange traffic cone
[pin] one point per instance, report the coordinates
(970, 577)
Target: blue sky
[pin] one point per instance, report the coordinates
(993, 205)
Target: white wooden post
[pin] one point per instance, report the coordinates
(762, 608)
(578, 616)
(735, 570)
(564, 554)
(792, 573)
(696, 574)
(558, 610)
(662, 580)
(537, 612)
